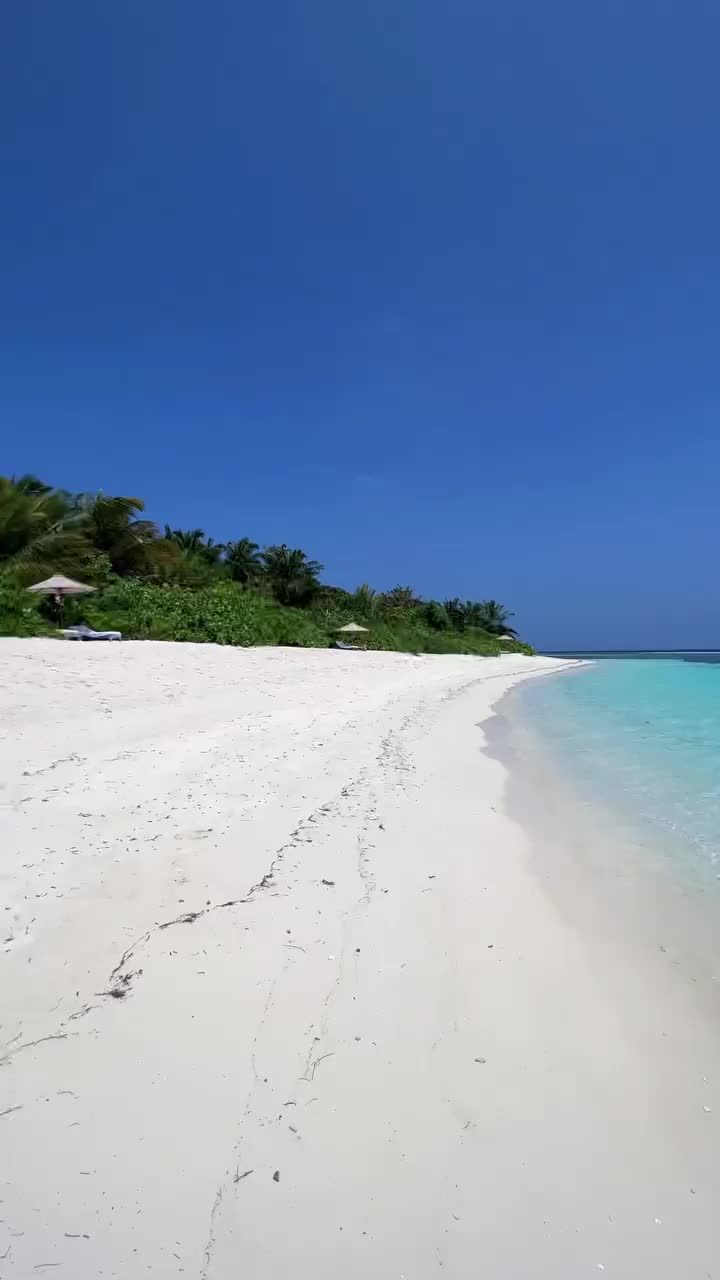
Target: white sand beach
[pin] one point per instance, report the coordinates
(285, 992)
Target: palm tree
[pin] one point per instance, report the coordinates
(435, 615)
(31, 485)
(186, 539)
(112, 526)
(293, 578)
(243, 561)
(366, 601)
(473, 614)
(455, 610)
(194, 545)
(212, 551)
(495, 618)
(37, 529)
(401, 598)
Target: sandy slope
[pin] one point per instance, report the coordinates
(282, 995)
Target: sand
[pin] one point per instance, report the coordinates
(286, 992)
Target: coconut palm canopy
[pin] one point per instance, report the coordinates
(352, 628)
(59, 585)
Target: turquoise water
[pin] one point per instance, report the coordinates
(643, 735)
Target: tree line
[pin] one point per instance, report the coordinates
(101, 539)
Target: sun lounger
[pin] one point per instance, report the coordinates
(82, 632)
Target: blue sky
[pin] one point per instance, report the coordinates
(429, 290)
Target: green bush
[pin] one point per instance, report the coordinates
(517, 646)
(221, 614)
(20, 612)
(435, 615)
(412, 636)
(225, 613)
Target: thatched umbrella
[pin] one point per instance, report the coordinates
(351, 628)
(58, 587)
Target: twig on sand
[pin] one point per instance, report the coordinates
(314, 1066)
(188, 917)
(121, 985)
(127, 954)
(80, 1013)
(30, 1044)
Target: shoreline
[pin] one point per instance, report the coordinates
(599, 863)
(271, 917)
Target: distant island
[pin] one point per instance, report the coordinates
(179, 584)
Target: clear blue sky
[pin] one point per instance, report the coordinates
(430, 290)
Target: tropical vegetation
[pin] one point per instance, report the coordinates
(180, 584)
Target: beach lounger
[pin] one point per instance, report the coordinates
(83, 632)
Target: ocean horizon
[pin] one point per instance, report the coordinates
(710, 655)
